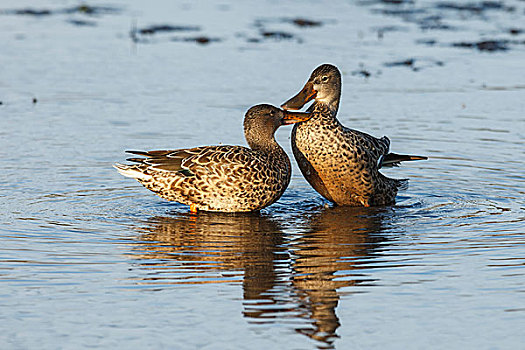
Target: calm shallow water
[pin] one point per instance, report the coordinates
(92, 259)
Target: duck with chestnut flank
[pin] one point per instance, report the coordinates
(341, 164)
(222, 178)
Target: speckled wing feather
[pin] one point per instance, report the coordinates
(375, 148)
(214, 177)
(202, 160)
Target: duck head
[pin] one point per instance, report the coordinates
(324, 85)
(262, 121)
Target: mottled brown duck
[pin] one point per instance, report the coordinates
(222, 178)
(341, 164)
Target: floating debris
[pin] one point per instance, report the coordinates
(166, 28)
(397, 2)
(277, 35)
(428, 42)
(34, 100)
(203, 40)
(268, 35)
(265, 33)
(400, 12)
(408, 62)
(140, 35)
(302, 22)
(82, 9)
(299, 22)
(28, 12)
(90, 10)
(411, 63)
(487, 45)
(386, 2)
(82, 23)
(473, 7)
(93, 10)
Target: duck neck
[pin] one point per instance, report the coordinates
(325, 112)
(266, 145)
(329, 101)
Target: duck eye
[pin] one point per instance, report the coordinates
(324, 79)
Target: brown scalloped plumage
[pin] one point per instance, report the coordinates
(341, 164)
(221, 178)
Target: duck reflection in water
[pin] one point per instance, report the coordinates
(292, 276)
(339, 241)
(201, 248)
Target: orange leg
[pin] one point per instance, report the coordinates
(193, 208)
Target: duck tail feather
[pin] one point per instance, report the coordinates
(136, 160)
(394, 159)
(138, 153)
(131, 171)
